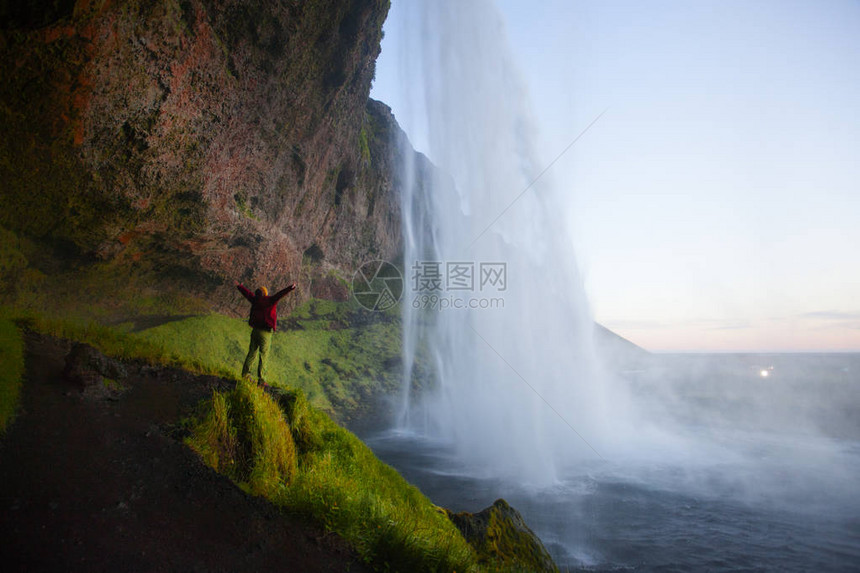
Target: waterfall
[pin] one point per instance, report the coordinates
(516, 388)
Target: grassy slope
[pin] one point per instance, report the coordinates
(337, 368)
(297, 457)
(334, 352)
(320, 346)
(333, 478)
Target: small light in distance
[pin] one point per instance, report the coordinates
(764, 373)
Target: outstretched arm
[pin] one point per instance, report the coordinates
(278, 295)
(245, 292)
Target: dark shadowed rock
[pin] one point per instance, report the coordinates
(86, 367)
(502, 539)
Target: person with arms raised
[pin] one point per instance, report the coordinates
(264, 321)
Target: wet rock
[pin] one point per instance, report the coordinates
(502, 539)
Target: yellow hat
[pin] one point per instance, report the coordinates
(264, 290)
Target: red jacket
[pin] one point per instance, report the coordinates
(264, 309)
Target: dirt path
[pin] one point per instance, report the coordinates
(98, 485)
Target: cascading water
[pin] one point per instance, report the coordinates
(517, 388)
(706, 465)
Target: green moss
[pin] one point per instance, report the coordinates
(363, 144)
(338, 276)
(502, 540)
(113, 385)
(513, 545)
(11, 371)
(241, 200)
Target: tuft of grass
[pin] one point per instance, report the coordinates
(390, 522)
(11, 371)
(299, 415)
(214, 438)
(246, 437)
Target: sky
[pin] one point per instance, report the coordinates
(715, 205)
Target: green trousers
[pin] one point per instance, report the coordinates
(260, 340)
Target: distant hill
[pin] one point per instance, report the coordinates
(617, 352)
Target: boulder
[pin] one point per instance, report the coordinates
(86, 366)
(502, 539)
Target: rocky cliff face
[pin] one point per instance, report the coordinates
(232, 137)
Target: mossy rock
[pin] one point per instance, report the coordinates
(502, 539)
